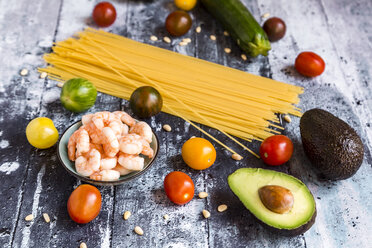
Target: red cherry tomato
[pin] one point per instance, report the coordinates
(84, 203)
(179, 187)
(309, 64)
(276, 150)
(104, 14)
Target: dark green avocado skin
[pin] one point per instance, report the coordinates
(332, 146)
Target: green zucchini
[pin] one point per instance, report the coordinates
(240, 24)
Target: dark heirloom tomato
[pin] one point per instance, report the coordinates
(104, 14)
(275, 28)
(276, 150)
(84, 203)
(145, 102)
(178, 23)
(179, 187)
(309, 64)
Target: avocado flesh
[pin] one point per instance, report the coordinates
(332, 146)
(245, 183)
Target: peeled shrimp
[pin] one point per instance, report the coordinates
(79, 143)
(102, 119)
(94, 133)
(123, 171)
(105, 175)
(131, 162)
(131, 144)
(87, 166)
(125, 118)
(116, 126)
(147, 150)
(111, 143)
(108, 163)
(143, 129)
(86, 119)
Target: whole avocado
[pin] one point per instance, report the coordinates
(332, 146)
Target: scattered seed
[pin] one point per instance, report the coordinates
(265, 15)
(153, 38)
(167, 39)
(187, 40)
(206, 214)
(227, 50)
(43, 75)
(167, 128)
(238, 42)
(60, 84)
(287, 118)
(166, 217)
(23, 72)
(83, 245)
(203, 195)
(244, 57)
(192, 137)
(29, 217)
(222, 208)
(212, 37)
(46, 217)
(182, 43)
(138, 230)
(236, 157)
(126, 215)
(226, 33)
(198, 29)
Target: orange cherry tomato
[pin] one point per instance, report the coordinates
(84, 203)
(276, 150)
(198, 153)
(309, 64)
(179, 187)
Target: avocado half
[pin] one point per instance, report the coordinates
(332, 146)
(245, 184)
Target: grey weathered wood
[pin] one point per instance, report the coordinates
(340, 31)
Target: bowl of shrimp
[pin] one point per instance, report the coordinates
(107, 148)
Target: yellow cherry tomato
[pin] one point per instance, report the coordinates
(41, 133)
(185, 4)
(198, 153)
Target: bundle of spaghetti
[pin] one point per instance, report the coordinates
(235, 102)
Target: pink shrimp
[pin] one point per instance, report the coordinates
(131, 144)
(125, 118)
(131, 162)
(110, 142)
(108, 163)
(86, 119)
(94, 133)
(87, 166)
(79, 143)
(106, 175)
(123, 171)
(102, 119)
(142, 129)
(147, 150)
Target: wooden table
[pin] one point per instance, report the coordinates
(34, 182)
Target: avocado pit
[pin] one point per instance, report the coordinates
(276, 198)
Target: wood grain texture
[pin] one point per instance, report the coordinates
(34, 182)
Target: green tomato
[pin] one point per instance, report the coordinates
(41, 133)
(78, 95)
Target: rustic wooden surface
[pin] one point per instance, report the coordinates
(34, 182)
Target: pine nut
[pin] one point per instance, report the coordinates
(23, 72)
(126, 215)
(212, 37)
(43, 75)
(238, 42)
(182, 43)
(187, 40)
(244, 57)
(206, 214)
(83, 245)
(236, 157)
(166, 217)
(287, 118)
(167, 128)
(29, 217)
(227, 50)
(265, 15)
(203, 195)
(138, 230)
(226, 33)
(198, 29)
(153, 38)
(60, 84)
(167, 39)
(46, 217)
(222, 208)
